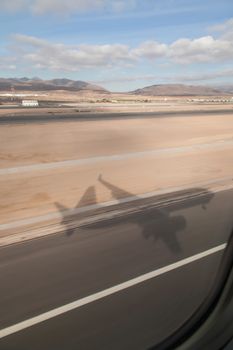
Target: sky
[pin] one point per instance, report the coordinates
(121, 45)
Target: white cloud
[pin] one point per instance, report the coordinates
(57, 56)
(204, 49)
(43, 54)
(29, 41)
(186, 51)
(225, 29)
(151, 50)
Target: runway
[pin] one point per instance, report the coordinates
(80, 116)
(42, 275)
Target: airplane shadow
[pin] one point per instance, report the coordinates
(154, 223)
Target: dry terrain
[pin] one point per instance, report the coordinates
(137, 156)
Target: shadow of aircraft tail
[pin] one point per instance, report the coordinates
(89, 196)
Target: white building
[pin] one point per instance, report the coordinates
(30, 103)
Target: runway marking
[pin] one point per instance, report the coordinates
(106, 292)
(116, 157)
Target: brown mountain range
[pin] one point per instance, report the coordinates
(178, 90)
(36, 84)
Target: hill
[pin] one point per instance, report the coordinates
(178, 90)
(36, 84)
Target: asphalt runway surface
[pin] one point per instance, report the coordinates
(41, 275)
(79, 116)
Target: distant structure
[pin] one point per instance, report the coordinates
(12, 92)
(30, 103)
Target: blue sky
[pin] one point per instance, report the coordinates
(121, 45)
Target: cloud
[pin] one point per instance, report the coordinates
(40, 7)
(151, 50)
(29, 41)
(45, 55)
(204, 49)
(225, 29)
(42, 54)
(186, 51)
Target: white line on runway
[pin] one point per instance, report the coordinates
(78, 162)
(104, 293)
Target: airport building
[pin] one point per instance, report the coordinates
(30, 103)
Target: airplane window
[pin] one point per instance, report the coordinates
(116, 168)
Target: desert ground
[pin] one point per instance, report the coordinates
(42, 164)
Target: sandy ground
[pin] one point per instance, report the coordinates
(42, 143)
(35, 193)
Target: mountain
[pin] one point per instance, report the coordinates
(228, 88)
(36, 84)
(178, 90)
